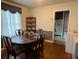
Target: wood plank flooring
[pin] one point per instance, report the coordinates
(52, 51)
(55, 51)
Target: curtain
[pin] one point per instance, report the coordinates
(10, 22)
(11, 8)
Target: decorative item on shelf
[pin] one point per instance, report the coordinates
(31, 24)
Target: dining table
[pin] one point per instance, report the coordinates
(24, 40)
(29, 42)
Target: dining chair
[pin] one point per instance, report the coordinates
(11, 49)
(19, 32)
(41, 45)
(42, 37)
(35, 50)
(37, 47)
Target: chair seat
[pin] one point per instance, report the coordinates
(18, 50)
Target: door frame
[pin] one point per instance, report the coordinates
(54, 24)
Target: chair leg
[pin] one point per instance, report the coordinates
(42, 54)
(14, 57)
(7, 56)
(42, 51)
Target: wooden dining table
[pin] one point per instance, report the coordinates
(24, 40)
(28, 42)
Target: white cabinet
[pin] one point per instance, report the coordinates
(69, 43)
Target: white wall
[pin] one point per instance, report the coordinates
(45, 17)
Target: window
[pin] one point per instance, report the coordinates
(10, 21)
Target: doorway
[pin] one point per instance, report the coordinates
(61, 26)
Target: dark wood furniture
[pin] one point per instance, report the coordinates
(31, 24)
(11, 49)
(23, 40)
(42, 37)
(35, 45)
(29, 42)
(2, 43)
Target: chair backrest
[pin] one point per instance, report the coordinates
(39, 42)
(42, 37)
(8, 44)
(36, 44)
(2, 45)
(19, 32)
(42, 34)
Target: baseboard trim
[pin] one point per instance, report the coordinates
(59, 42)
(48, 41)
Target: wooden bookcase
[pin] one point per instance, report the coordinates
(31, 24)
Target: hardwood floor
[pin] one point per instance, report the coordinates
(55, 51)
(52, 51)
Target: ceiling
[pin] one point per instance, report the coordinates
(38, 3)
